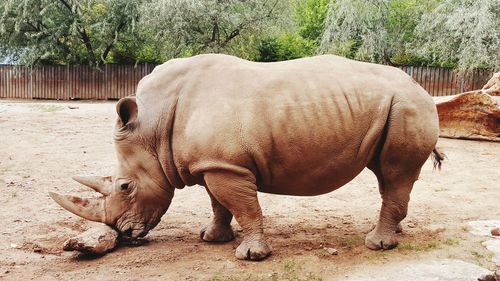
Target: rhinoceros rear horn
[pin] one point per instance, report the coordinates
(87, 208)
(102, 185)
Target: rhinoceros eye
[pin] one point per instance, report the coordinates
(124, 186)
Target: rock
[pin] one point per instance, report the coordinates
(493, 245)
(495, 231)
(95, 241)
(332, 251)
(419, 270)
(472, 115)
(483, 227)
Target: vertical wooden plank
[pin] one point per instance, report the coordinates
(446, 82)
(441, 82)
(419, 71)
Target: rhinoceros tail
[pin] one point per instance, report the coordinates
(437, 158)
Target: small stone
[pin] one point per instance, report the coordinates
(411, 225)
(332, 251)
(12, 245)
(488, 277)
(95, 241)
(438, 229)
(495, 231)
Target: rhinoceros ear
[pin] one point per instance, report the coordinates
(127, 110)
(87, 208)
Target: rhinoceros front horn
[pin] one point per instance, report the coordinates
(87, 208)
(102, 185)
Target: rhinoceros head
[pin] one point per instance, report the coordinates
(135, 198)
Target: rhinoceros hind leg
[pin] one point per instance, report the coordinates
(399, 228)
(394, 209)
(238, 193)
(395, 190)
(219, 229)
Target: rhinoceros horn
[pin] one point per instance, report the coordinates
(87, 208)
(102, 185)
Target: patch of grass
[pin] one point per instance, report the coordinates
(419, 247)
(452, 241)
(440, 189)
(351, 242)
(375, 255)
(465, 228)
(482, 259)
(291, 271)
(26, 176)
(47, 107)
(477, 255)
(13, 194)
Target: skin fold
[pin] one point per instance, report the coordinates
(302, 127)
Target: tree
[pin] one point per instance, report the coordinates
(189, 27)
(64, 31)
(302, 38)
(376, 31)
(466, 32)
(310, 17)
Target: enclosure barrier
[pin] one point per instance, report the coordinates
(117, 81)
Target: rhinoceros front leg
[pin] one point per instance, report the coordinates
(238, 193)
(219, 229)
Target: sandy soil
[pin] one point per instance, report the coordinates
(44, 144)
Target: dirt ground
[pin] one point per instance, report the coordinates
(43, 144)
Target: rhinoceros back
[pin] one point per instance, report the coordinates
(302, 127)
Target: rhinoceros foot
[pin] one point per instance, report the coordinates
(253, 250)
(217, 233)
(378, 240)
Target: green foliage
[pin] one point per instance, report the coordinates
(450, 33)
(374, 31)
(64, 31)
(465, 32)
(285, 47)
(192, 27)
(310, 16)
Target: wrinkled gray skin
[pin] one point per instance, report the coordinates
(301, 127)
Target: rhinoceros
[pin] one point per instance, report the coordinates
(300, 127)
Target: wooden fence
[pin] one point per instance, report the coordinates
(445, 81)
(71, 82)
(116, 81)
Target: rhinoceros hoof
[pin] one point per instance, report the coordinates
(212, 233)
(376, 241)
(253, 250)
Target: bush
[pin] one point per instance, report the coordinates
(285, 47)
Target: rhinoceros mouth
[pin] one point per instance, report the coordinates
(131, 234)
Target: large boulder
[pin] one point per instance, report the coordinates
(472, 115)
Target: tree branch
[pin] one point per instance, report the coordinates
(83, 33)
(241, 26)
(110, 45)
